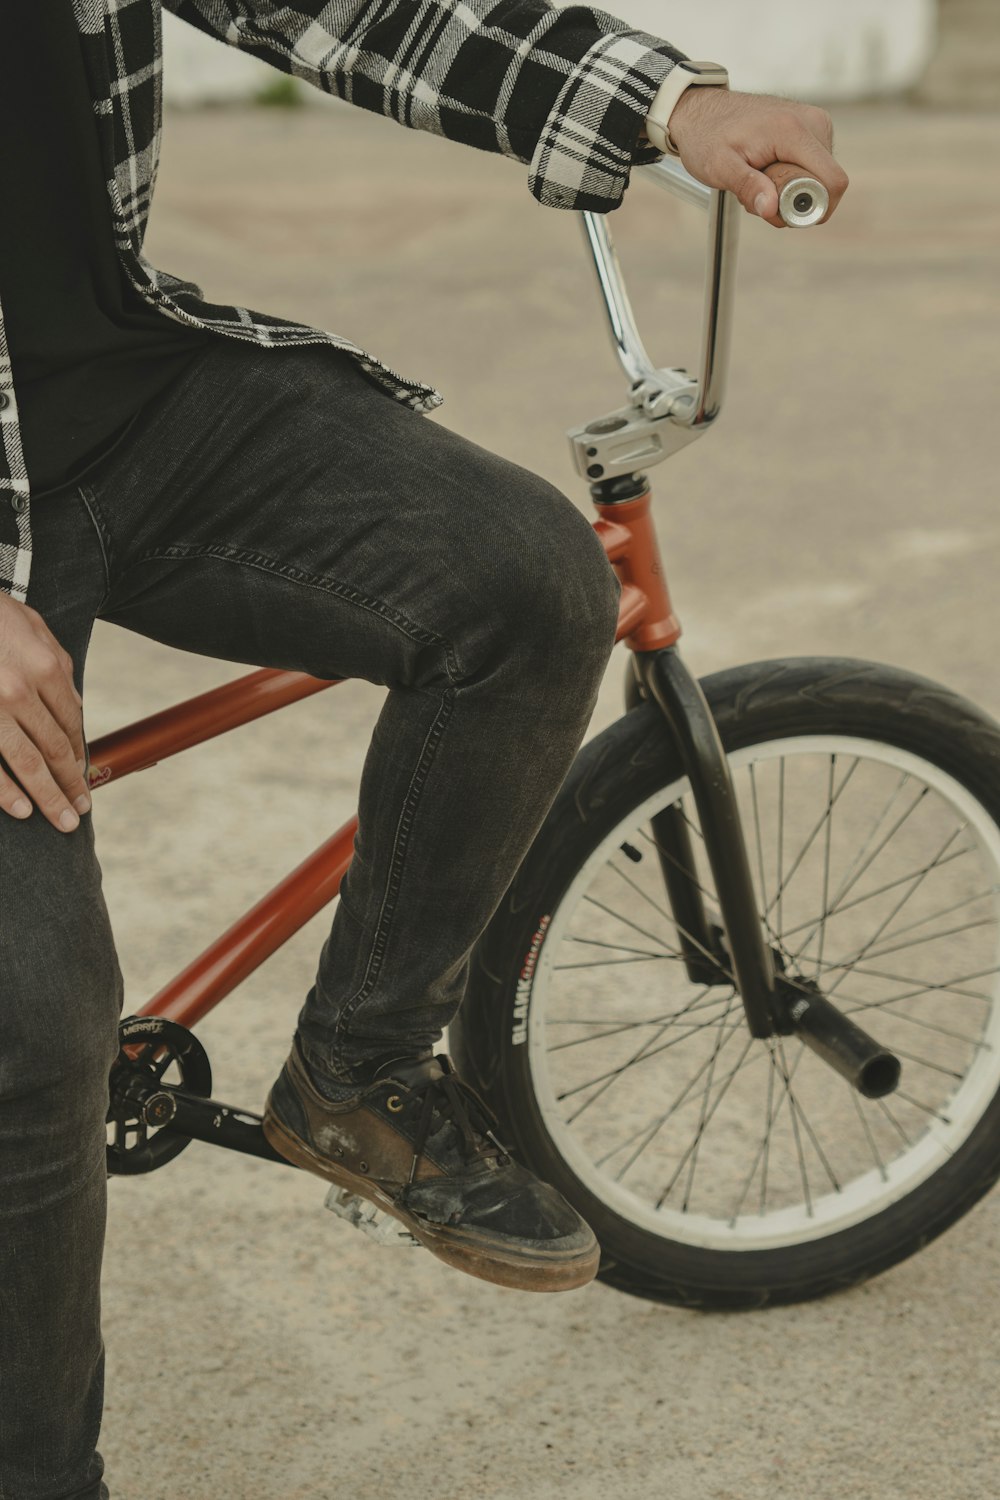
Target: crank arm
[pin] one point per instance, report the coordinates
(208, 1120)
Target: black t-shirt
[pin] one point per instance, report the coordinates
(86, 351)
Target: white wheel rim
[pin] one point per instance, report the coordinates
(827, 1212)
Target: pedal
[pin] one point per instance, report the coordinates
(374, 1222)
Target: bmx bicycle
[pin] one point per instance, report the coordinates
(760, 925)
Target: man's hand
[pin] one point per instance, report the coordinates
(41, 724)
(726, 139)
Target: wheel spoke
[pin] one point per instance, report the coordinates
(643, 1055)
(766, 1143)
(826, 856)
(650, 1131)
(661, 911)
(762, 1155)
(705, 1116)
(904, 1137)
(690, 1008)
(928, 937)
(872, 1145)
(634, 885)
(620, 947)
(924, 1062)
(838, 909)
(725, 972)
(693, 827)
(823, 822)
(928, 1109)
(851, 880)
(945, 911)
(630, 1026)
(868, 854)
(610, 963)
(625, 921)
(926, 986)
(884, 1007)
(696, 1143)
(783, 1074)
(810, 1131)
(672, 859)
(777, 901)
(778, 1068)
(887, 921)
(741, 1066)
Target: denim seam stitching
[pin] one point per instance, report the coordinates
(90, 505)
(408, 811)
(395, 874)
(319, 581)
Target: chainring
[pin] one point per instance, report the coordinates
(155, 1055)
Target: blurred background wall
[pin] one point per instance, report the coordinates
(948, 50)
(940, 52)
(847, 50)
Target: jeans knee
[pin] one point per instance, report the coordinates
(555, 596)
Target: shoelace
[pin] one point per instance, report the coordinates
(450, 1098)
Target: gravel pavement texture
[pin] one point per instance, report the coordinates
(847, 504)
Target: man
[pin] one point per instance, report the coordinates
(248, 488)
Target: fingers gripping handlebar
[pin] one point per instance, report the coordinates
(669, 408)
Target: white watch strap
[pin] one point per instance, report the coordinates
(664, 100)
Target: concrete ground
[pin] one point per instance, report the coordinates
(846, 504)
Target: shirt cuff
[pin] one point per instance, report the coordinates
(591, 138)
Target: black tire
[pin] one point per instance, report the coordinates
(616, 773)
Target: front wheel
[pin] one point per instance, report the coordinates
(717, 1170)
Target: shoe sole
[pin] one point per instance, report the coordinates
(552, 1272)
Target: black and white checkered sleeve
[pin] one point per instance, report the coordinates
(563, 90)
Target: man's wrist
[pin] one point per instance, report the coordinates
(668, 95)
(662, 107)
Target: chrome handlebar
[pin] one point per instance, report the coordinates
(721, 253)
(667, 407)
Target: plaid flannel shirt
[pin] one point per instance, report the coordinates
(564, 91)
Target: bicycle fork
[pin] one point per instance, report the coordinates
(737, 950)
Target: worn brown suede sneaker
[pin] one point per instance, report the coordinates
(422, 1145)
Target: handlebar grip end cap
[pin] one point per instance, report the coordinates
(803, 201)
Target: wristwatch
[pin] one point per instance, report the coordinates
(683, 76)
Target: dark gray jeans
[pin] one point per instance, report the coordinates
(275, 507)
